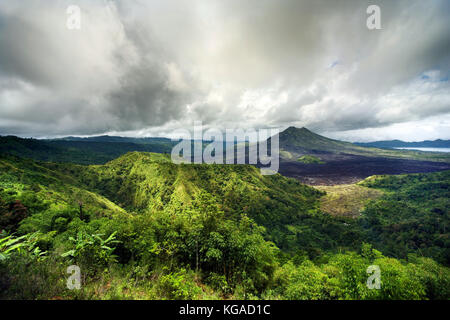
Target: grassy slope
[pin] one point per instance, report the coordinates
(413, 215)
(294, 143)
(346, 200)
(145, 182)
(43, 190)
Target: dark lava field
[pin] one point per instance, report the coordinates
(346, 169)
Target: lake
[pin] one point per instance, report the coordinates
(426, 149)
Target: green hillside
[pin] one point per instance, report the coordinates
(146, 183)
(47, 195)
(347, 199)
(400, 215)
(80, 150)
(142, 227)
(294, 143)
(412, 216)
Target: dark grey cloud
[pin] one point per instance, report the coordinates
(146, 67)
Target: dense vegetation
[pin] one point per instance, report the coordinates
(96, 150)
(412, 217)
(143, 227)
(348, 200)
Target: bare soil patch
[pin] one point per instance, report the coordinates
(347, 200)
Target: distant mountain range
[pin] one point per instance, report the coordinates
(294, 143)
(106, 138)
(389, 144)
(92, 150)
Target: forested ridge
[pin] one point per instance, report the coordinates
(412, 217)
(141, 227)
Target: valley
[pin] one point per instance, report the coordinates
(142, 227)
(337, 162)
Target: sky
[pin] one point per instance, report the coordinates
(147, 68)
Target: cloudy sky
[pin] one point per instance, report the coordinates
(146, 68)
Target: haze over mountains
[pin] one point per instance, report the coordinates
(293, 143)
(403, 144)
(93, 150)
(329, 161)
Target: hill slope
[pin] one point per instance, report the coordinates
(413, 215)
(186, 232)
(94, 150)
(295, 142)
(147, 182)
(304, 140)
(45, 195)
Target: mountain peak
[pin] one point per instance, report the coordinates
(293, 129)
(303, 140)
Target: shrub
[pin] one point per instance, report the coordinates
(92, 251)
(179, 286)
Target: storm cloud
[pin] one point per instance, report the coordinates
(149, 67)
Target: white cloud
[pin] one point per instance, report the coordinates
(140, 68)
